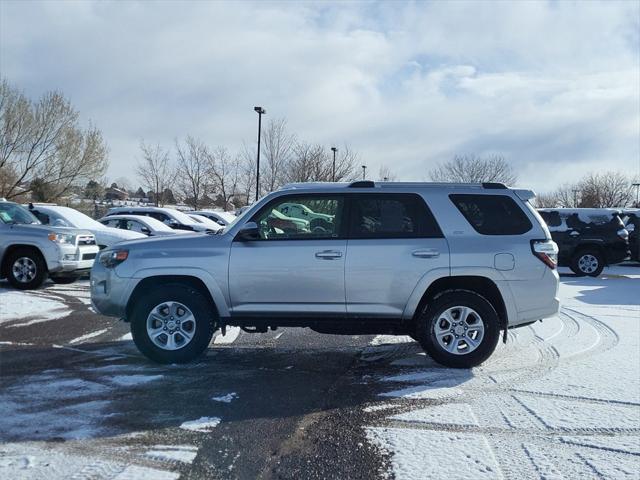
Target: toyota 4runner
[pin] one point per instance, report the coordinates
(451, 265)
(31, 252)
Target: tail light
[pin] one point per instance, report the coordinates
(546, 251)
(623, 234)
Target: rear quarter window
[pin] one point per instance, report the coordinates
(492, 214)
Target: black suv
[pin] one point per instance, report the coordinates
(588, 238)
(631, 219)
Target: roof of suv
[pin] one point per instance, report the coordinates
(372, 184)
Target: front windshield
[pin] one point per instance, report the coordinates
(14, 213)
(183, 218)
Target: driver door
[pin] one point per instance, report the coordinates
(293, 268)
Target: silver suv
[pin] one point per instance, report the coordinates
(29, 251)
(449, 264)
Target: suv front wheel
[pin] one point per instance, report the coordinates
(172, 324)
(26, 269)
(459, 329)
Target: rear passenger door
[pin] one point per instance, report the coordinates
(393, 241)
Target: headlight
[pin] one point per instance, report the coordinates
(111, 258)
(65, 238)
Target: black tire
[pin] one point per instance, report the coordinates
(39, 275)
(427, 321)
(587, 261)
(63, 280)
(201, 308)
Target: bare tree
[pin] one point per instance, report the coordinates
(44, 141)
(606, 189)
(314, 163)
(277, 147)
(193, 169)
(386, 175)
(475, 169)
(247, 182)
(225, 171)
(154, 170)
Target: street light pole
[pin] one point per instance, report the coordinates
(364, 172)
(333, 172)
(260, 111)
(637, 185)
(575, 198)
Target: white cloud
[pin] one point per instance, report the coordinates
(553, 86)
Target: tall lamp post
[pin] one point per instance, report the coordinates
(575, 197)
(260, 111)
(364, 172)
(333, 172)
(637, 185)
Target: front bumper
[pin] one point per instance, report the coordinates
(73, 259)
(109, 292)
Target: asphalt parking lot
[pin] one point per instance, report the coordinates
(78, 401)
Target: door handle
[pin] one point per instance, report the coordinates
(426, 253)
(329, 254)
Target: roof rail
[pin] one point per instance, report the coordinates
(494, 186)
(362, 184)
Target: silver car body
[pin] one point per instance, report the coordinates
(147, 226)
(172, 217)
(60, 258)
(365, 279)
(222, 218)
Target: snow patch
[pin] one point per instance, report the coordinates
(134, 472)
(87, 336)
(230, 337)
(173, 453)
(228, 398)
(418, 454)
(16, 305)
(203, 424)
(131, 380)
(450, 414)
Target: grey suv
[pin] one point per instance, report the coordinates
(31, 252)
(449, 264)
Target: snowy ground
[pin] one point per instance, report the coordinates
(560, 400)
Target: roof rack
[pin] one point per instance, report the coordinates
(494, 186)
(362, 184)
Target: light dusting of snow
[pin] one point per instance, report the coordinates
(131, 380)
(16, 305)
(135, 472)
(232, 335)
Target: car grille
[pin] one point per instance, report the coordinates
(86, 240)
(88, 256)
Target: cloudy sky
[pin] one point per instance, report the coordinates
(553, 86)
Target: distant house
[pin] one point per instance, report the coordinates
(114, 193)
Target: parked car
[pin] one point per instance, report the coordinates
(215, 226)
(144, 225)
(450, 264)
(631, 220)
(221, 218)
(30, 252)
(169, 216)
(588, 238)
(68, 217)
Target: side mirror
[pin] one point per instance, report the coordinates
(248, 232)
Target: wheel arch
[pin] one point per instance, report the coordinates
(481, 285)
(155, 281)
(4, 264)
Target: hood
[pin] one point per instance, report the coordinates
(164, 241)
(46, 229)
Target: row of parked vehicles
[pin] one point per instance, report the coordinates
(41, 241)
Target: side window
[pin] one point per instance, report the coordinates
(391, 216)
(159, 216)
(135, 226)
(552, 219)
(324, 223)
(43, 217)
(492, 214)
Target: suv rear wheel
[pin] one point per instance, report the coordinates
(458, 329)
(26, 269)
(172, 324)
(587, 262)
